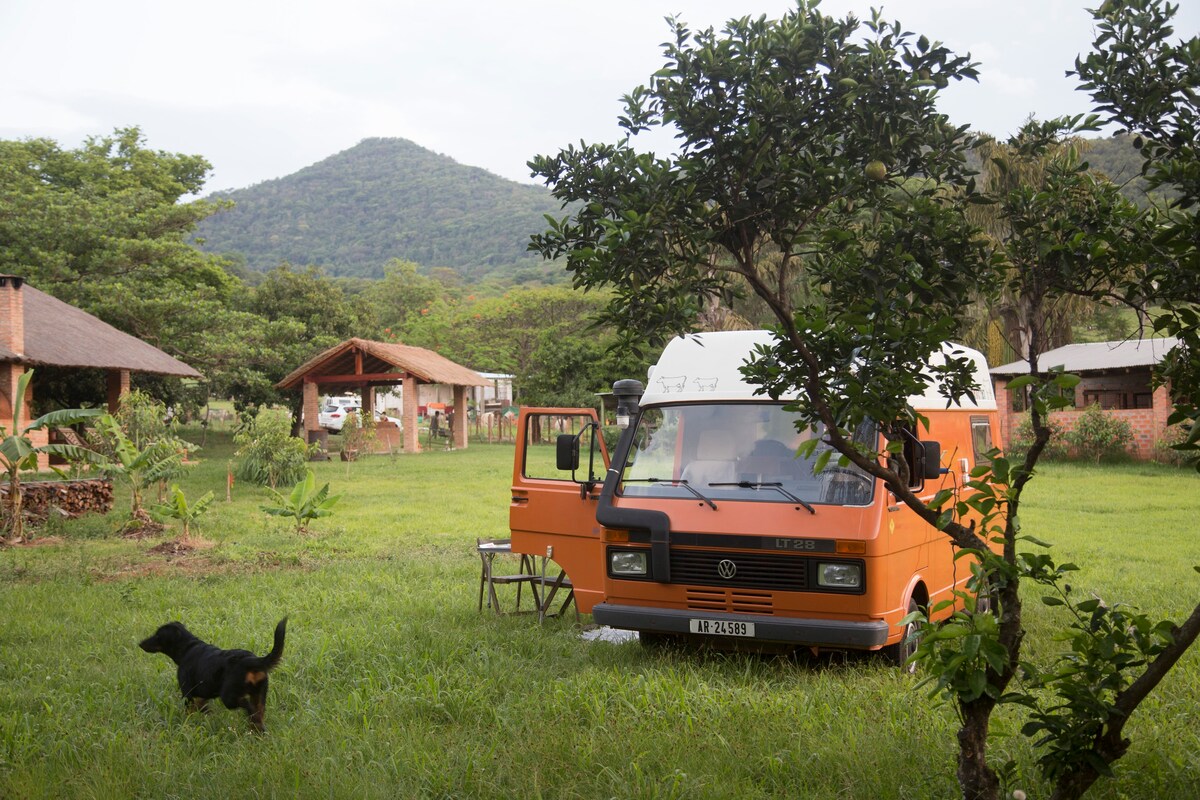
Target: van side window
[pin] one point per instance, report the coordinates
(542, 431)
(981, 438)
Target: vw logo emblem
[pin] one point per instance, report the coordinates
(726, 568)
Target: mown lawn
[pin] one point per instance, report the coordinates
(393, 685)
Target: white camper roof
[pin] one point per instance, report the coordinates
(706, 368)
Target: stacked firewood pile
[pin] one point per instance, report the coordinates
(68, 498)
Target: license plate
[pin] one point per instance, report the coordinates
(720, 627)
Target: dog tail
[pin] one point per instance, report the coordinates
(272, 658)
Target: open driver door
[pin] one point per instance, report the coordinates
(558, 469)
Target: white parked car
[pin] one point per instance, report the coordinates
(333, 414)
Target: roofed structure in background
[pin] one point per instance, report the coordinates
(345, 366)
(1117, 376)
(37, 330)
(1093, 356)
(59, 334)
(363, 364)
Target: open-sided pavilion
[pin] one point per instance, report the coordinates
(362, 364)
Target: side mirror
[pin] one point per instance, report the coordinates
(566, 452)
(931, 463)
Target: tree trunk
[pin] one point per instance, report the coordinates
(975, 777)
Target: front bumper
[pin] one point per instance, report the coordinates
(814, 632)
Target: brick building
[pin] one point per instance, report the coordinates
(1116, 375)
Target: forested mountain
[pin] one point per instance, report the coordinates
(390, 198)
(379, 200)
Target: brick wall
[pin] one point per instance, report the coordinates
(1148, 424)
(1144, 421)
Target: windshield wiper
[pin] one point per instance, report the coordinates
(674, 482)
(776, 485)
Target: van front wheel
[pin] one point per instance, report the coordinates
(898, 653)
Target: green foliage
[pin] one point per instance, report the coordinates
(1022, 440)
(18, 452)
(305, 503)
(268, 454)
(138, 464)
(546, 337)
(358, 435)
(179, 508)
(1097, 435)
(1142, 77)
(1075, 703)
(142, 417)
(380, 200)
(866, 271)
(776, 121)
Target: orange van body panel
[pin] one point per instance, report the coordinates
(547, 513)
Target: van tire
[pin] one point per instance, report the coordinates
(899, 652)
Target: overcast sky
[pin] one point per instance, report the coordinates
(263, 88)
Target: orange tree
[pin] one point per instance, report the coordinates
(814, 168)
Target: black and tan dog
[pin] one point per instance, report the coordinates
(238, 677)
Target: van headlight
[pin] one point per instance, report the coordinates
(839, 575)
(632, 563)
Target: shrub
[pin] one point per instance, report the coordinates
(1098, 435)
(268, 453)
(1164, 452)
(358, 435)
(1021, 440)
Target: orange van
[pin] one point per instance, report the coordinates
(707, 525)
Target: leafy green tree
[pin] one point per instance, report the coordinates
(268, 454)
(1143, 79)
(314, 312)
(401, 294)
(546, 337)
(108, 214)
(1036, 175)
(18, 452)
(818, 171)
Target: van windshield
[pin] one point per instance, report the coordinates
(737, 451)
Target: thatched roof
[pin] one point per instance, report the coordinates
(61, 335)
(380, 358)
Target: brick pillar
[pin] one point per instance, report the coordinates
(1162, 406)
(461, 423)
(12, 314)
(1004, 407)
(118, 387)
(311, 410)
(409, 414)
(9, 375)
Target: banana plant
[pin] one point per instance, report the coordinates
(305, 503)
(177, 507)
(18, 452)
(139, 467)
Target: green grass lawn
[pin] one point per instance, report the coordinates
(393, 685)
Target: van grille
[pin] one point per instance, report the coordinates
(729, 601)
(750, 570)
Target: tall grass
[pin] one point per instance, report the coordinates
(393, 685)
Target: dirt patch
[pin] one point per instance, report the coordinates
(141, 526)
(180, 547)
